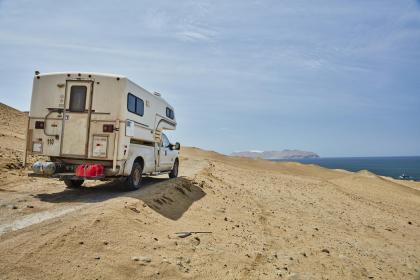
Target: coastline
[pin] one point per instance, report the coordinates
(392, 167)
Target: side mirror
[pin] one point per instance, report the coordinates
(177, 146)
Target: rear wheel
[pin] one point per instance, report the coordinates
(174, 171)
(133, 181)
(73, 184)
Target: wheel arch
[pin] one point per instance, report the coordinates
(142, 154)
(174, 172)
(140, 160)
(128, 167)
(176, 160)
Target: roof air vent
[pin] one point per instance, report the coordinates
(157, 94)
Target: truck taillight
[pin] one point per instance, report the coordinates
(108, 128)
(39, 125)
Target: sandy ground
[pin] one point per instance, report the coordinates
(263, 220)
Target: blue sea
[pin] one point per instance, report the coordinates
(386, 166)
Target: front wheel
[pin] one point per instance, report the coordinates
(73, 184)
(174, 171)
(133, 181)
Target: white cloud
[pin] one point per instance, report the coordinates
(244, 64)
(192, 36)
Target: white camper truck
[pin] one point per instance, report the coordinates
(99, 126)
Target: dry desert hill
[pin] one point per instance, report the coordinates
(262, 220)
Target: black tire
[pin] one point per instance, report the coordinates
(73, 184)
(174, 171)
(133, 181)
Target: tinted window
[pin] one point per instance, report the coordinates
(170, 113)
(131, 103)
(135, 105)
(139, 107)
(77, 99)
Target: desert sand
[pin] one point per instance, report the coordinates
(263, 220)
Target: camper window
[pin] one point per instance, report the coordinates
(135, 105)
(139, 107)
(77, 99)
(170, 113)
(131, 103)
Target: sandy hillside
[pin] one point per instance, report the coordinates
(12, 134)
(264, 220)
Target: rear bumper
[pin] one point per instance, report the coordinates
(70, 176)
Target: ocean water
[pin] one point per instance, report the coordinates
(386, 166)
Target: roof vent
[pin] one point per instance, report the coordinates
(157, 94)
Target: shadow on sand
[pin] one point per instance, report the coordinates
(170, 198)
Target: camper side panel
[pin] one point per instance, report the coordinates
(142, 114)
(136, 129)
(138, 133)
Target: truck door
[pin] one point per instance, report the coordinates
(165, 155)
(76, 118)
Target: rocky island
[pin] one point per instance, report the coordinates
(285, 154)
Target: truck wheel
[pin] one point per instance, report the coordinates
(73, 184)
(133, 181)
(174, 171)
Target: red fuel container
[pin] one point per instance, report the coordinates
(80, 170)
(100, 170)
(94, 170)
(89, 170)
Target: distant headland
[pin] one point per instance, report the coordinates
(285, 154)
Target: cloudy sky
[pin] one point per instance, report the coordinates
(340, 78)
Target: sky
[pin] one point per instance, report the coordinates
(339, 78)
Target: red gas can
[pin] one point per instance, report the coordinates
(94, 170)
(89, 170)
(80, 170)
(100, 170)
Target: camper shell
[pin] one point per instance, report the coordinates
(103, 119)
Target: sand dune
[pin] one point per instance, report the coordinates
(266, 220)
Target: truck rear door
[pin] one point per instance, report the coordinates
(76, 119)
